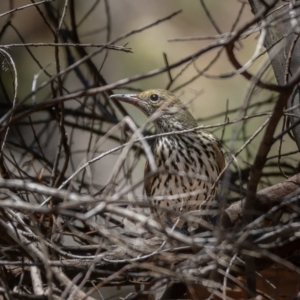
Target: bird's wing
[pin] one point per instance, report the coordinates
(219, 151)
(219, 156)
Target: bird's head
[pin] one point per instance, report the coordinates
(171, 113)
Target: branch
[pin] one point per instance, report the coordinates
(263, 202)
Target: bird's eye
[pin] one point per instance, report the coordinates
(154, 98)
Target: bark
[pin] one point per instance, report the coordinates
(283, 49)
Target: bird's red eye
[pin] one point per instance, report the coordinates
(154, 98)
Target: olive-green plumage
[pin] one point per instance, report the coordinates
(188, 163)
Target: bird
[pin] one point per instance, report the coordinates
(188, 163)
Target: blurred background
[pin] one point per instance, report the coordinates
(148, 46)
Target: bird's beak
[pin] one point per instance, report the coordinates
(128, 98)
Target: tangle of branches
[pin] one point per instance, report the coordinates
(74, 221)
